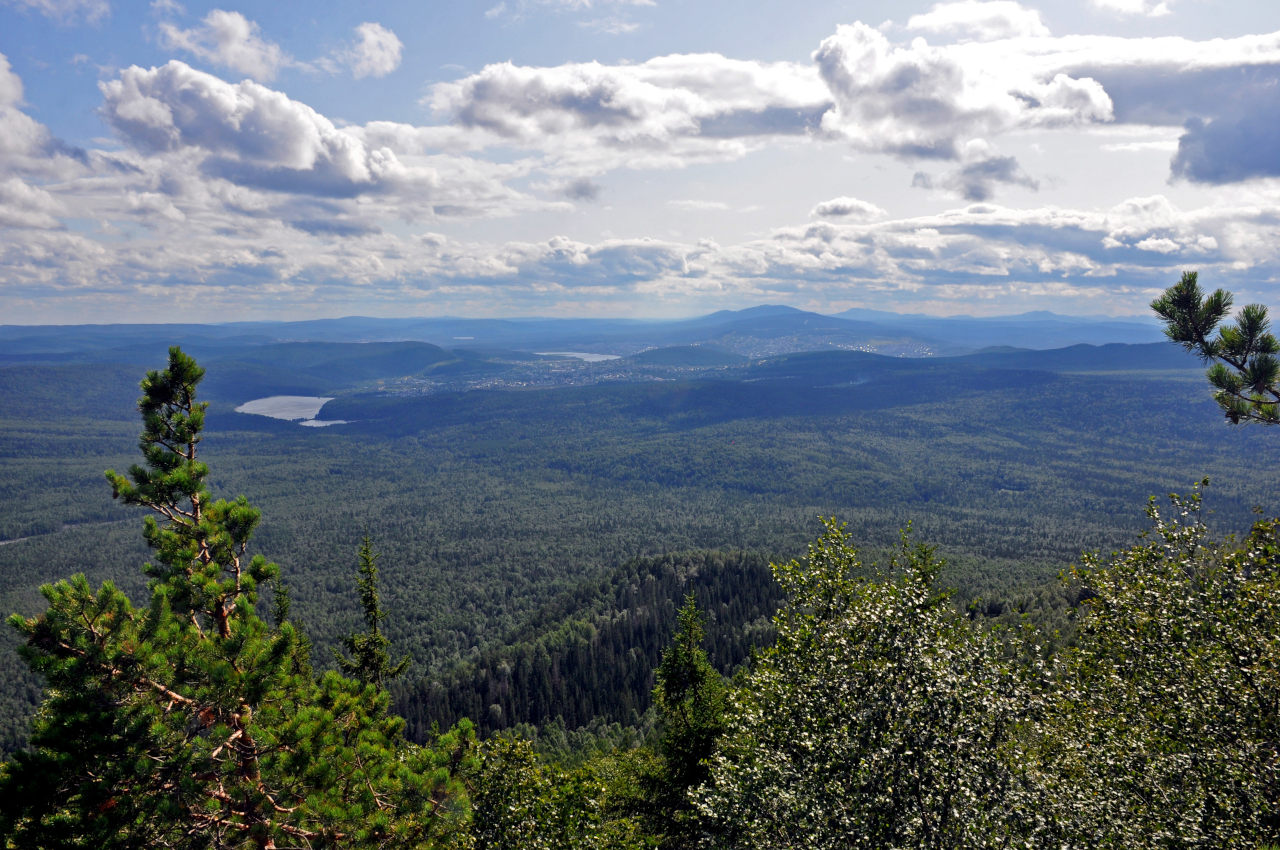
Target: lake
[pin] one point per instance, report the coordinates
(585, 356)
(294, 408)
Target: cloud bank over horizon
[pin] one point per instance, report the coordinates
(964, 159)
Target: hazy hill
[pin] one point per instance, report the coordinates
(757, 331)
(1039, 329)
(1084, 357)
(492, 495)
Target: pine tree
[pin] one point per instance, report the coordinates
(190, 722)
(1245, 373)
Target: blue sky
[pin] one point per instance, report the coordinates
(225, 161)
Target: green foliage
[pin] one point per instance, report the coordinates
(691, 699)
(200, 549)
(881, 716)
(370, 661)
(496, 503)
(575, 747)
(880, 719)
(191, 723)
(1245, 374)
(523, 804)
(589, 656)
(626, 795)
(1165, 727)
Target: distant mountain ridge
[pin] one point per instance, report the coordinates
(1038, 329)
(765, 330)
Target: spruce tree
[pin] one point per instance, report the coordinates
(691, 699)
(370, 659)
(190, 722)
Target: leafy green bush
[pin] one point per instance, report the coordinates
(1164, 727)
(881, 718)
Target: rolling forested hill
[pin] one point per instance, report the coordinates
(544, 517)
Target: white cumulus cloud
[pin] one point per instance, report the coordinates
(26, 145)
(980, 20)
(925, 101)
(670, 111)
(10, 84)
(1149, 8)
(252, 134)
(376, 53)
(230, 40)
(24, 205)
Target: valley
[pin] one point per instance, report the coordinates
(500, 486)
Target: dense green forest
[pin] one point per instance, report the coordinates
(491, 507)
(567, 688)
(589, 656)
